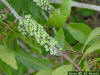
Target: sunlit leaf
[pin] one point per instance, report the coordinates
(8, 57)
(63, 70)
(95, 33)
(79, 31)
(59, 16)
(95, 46)
(45, 72)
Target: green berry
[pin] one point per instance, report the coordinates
(29, 27)
(44, 4)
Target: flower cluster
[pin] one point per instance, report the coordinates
(44, 4)
(2, 17)
(29, 27)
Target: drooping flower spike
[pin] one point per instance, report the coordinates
(29, 27)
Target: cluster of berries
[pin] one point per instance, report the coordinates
(29, 27)
(44, 4)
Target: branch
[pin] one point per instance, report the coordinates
(70, 60)
(11, 9)
(79, 5)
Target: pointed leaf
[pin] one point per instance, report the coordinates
(7, 57)
(45, 72)
(95, 46)
(63, 70)
(31, 61)
(93, 35)
(79, 31)
(60, 15)
(60, 38)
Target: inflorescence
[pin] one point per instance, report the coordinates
(29, 27)
(2, 17)
(44, 4)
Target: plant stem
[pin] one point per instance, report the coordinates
(70, 60)
(79, 5)
(11, 9)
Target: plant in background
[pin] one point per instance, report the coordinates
(77, 43)
(44, 4)
(29, 27)
(2, 17)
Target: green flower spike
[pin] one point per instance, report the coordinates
(29, 27)
(44, 4)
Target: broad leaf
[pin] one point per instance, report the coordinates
(7, 57)
(95, 33)
(60, 15)
(60, 38)
(45, 72)
(31, 61)
(68, 37)
(5, 68)
(63, 70)
(95, 46)
(79, 31)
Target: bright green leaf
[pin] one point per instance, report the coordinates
(7, 57)
(63, 70)
(60, 15)
(45, 72)
(60, 38)
(79, 31)
(95, 46)
(95, 33)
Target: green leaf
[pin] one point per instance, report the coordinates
(5, 68)
(85, 12)
(79, 31)
(95, 33)
(63, 70)
(9, 40)
(67, 46)
(45, 72)
(86, 67)
(60, 38)
(59, 16)
(36, 12)
(78, 47)
(31, 61)
(17, 5)
(95, 46)
(8, 57)
(95, 60)
(68, 36)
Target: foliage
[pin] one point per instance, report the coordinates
(35, 43)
